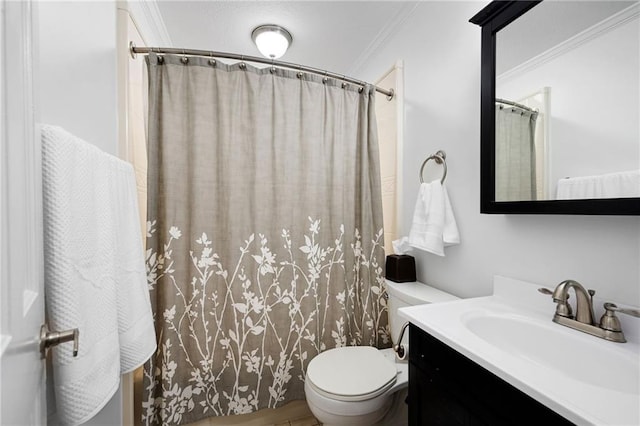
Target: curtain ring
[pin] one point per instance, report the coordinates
(325, 78)
(273, 66)
(159, 56)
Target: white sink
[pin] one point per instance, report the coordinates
(569, 354)
(588, 380)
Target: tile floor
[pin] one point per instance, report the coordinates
(295, 413)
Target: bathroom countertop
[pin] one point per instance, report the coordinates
(576, 396)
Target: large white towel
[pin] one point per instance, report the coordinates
(434, 226)
(94, 272)
(610, 185)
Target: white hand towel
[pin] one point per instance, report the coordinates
(94, 272)
(434, 226)
(610, 185)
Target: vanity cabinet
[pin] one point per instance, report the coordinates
(446, 388)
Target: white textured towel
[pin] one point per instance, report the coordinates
(610, 185)
(434, 226)
(94, 272)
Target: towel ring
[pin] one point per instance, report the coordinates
(439, 157)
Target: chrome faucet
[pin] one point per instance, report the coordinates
(584, 320)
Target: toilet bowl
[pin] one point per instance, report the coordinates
(359, 385)
(353, 385)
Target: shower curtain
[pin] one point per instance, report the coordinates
(265, 239)
(515, 154)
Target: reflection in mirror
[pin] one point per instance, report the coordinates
(516, 166)
(568, 102)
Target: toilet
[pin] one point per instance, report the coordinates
(362, 385)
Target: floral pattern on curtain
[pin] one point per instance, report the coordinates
(265, 240)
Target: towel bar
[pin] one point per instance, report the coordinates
(439, 157)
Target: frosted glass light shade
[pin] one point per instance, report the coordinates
(272, 40)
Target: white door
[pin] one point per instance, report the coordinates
(22, 386)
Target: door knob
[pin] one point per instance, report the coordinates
(54, 338)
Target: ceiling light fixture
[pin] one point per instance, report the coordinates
(272, 40)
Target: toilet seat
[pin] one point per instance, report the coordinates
(351, 373)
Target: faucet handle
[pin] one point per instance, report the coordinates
(610, 321)
(548, 292)
(614, 308)
(563, 309)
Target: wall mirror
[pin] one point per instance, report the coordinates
(560, 107)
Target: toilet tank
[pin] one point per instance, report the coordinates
(410, 294)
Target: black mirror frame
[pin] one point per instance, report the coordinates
(492, 19)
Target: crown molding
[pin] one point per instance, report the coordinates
(593, 32)
(147, 17)
(391, 28)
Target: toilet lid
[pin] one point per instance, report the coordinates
(351, 373)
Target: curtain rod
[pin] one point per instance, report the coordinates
(207, 53)
(515, 104)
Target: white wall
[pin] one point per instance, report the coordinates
(78, 69)
(77, 90)
(441, 53)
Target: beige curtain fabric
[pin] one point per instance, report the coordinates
(515, 154)
(265, 239)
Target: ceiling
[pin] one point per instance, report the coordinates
(337, 36)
